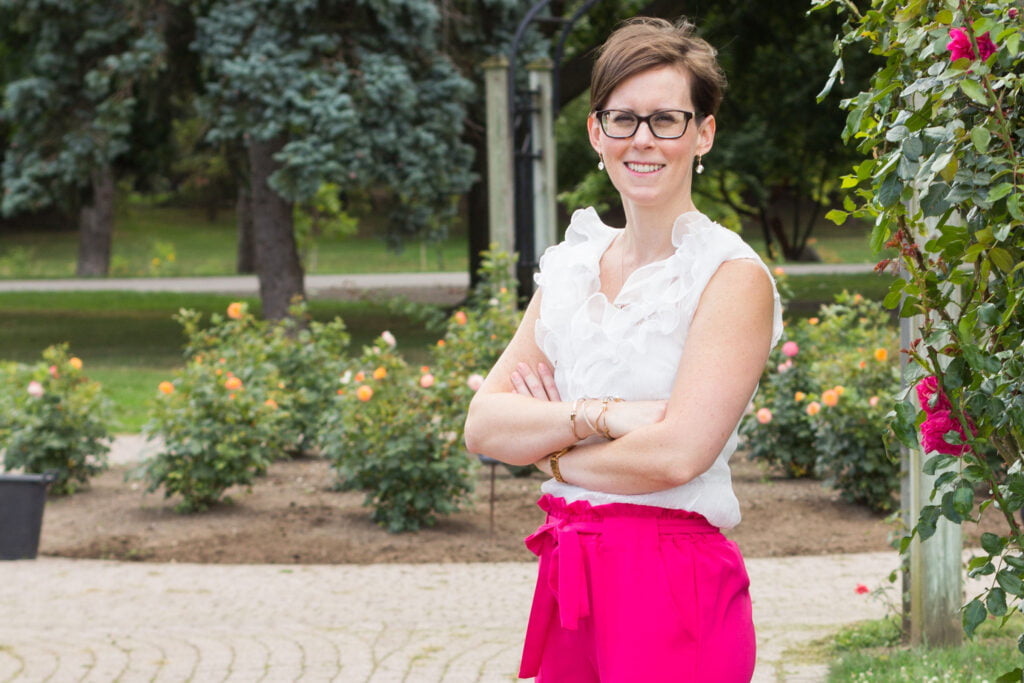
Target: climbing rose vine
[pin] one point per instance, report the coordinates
(941, 127)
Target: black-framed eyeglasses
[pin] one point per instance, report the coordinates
(666, 124)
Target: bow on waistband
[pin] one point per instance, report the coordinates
(560, 540)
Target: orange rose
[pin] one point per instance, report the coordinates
(75, 362)
(839, 389)
(380, 373)
(881, 355)
(270, 403)
(813, 408)
(830, 397)
(813, 321)
(440, 343)
(364, 393)
(799, 396)
(165, 388)
(233, 384)
(460, 317)
(360, 376)
(236, 310)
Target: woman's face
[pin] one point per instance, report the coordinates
(646, 170)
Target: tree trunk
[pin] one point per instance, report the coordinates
(245, 261)
(277, 259)
(477, 211)
(96, 226)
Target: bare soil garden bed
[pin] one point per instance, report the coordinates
(292, 516)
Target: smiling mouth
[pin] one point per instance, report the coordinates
(644, 168)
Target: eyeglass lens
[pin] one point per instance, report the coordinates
(663, 124)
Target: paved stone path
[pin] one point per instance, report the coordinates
(90, 620)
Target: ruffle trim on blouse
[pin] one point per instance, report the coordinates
(590, 328)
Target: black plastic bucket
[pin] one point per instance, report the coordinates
(22, 499)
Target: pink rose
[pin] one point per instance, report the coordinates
(790, 348)
(53, 372)
(388, 338)
(35, 389)
(873, 401)
(764, 416)
(475, 381)
(861, 589)
(427, 381)
(930, 396)
(960, 46)
(933, 434)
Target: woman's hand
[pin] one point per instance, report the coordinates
(540, 384)
(621, 417)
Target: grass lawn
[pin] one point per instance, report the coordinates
(871, 651)
(151, 241)
(130, 342)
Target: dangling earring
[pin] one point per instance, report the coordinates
(600, 163)
(700, 166)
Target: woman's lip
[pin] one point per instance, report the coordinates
(645, 167)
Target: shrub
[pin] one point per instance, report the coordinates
(387, 436)
(54, 418)
(217, 431)
(250, 391)
(397, 431)
(827, 389)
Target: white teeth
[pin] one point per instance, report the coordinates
(644, 168)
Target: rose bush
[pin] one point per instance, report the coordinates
(396, 431)
(828, 388)
(940, 127)
(54, 418)
(250, 392)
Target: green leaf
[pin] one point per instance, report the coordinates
(996, 602)
(1010, 582)
(1017, 674)
(981, 138)
(936, 463)
(992, 544)
(949, 508)
(1002, 259)
(999, 191)
(879, 236)
(973, 90)
(926, 522)
(890, 191)
(974, 615)
(836, 216)
(963, 500)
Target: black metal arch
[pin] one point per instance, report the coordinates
(521, 107)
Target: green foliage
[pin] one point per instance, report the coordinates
(827, 390)
(53, 418)
(941, 181)
(359, 93)
(250, 391)
(397, 432)
(320, 217)
(873, 651)
(387, 435)
(72, 109)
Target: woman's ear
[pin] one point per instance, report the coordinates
(594, 132)
(706, 134)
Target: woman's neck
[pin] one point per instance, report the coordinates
(648, 233)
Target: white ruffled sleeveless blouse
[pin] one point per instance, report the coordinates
(631, 347)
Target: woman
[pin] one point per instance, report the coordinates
(626, 382)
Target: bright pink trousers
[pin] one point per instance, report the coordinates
(634, 593)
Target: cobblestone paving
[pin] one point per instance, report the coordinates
(83, 620)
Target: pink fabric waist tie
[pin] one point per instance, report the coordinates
(558, 544)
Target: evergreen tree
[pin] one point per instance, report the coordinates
(70, 111)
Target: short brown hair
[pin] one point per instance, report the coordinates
(645, 43)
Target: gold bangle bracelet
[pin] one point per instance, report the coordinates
(572, 418)
(553, 459)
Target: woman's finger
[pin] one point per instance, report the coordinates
(519, 384)
(547, 378)
(533, 383)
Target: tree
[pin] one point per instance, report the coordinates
(941, 178)
(779, 150)
(354, 94)
(71, 111)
